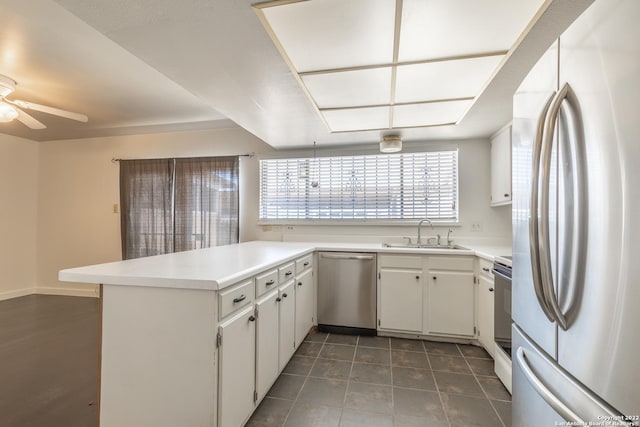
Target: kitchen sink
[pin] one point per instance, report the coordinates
(424, 246)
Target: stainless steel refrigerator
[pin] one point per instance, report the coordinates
(576, 218)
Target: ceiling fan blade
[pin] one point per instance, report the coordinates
(28, 120)
(51, 110)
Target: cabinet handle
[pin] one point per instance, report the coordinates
(252, 318)
(506, 194)
(278, 299)
(435, 278)
(270, 282)
(239, 299)
(305, 264)
(490, 289)
(284, 295)
(485, 269)
(299, 283)
(288, 273)
(417, 277)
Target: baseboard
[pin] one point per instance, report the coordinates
(16, 293)
(73, 292)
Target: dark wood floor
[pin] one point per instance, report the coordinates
(48, 361)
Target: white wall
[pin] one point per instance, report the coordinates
(18, 187)
(474, 158)
(78, 186)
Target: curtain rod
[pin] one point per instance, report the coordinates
(251, 154)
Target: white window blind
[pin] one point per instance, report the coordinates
(376, 187)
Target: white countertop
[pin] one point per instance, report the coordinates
(218, 267)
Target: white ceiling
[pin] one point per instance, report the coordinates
(160, 65)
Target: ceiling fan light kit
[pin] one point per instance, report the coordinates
(13, 109)
(7, 112)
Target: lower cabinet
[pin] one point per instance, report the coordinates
(267, 346)
(237, 368)
(450, 303)
(485, 301)
(304, 306)
(426, 294)
(400, 299)
(286, 326)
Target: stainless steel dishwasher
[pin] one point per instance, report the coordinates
(347, 292)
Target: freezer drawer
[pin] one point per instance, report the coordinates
(347, 291)
(546, 395)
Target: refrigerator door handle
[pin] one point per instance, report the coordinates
(533, 213)
(543, 229)
(544, 392)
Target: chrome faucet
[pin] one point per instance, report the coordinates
(419, 242)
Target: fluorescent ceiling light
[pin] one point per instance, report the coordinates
(349, 88)
(367, 65)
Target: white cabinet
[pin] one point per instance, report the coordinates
(267, 343)
(400, 293)
(450, 303)
(501, 167)
(236, 373)
(304, 305)
(485, 313)
(286, 322)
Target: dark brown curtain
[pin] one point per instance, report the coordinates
(171, 205)
(206, 202)
(146, 205)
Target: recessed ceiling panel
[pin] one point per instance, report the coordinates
(328, 34)
(357, 118)
(350, 88)
(445, 79)
(440, 28)
(429, 114)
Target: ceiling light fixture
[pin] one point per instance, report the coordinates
(390, 144)
(7, 112)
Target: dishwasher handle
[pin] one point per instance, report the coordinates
(356, 257)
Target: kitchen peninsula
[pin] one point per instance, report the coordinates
(198, 337)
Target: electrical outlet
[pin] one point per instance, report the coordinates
(116, 208)
(476, 226)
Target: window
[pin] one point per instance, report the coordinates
(171, 205)
(367, 187)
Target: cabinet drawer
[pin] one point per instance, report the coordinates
(485, 268)
(400, 261)
(454, 263)
(266, 281)
(304, 263)
(236, 297)
(286, 272)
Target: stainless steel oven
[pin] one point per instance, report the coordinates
(502, 303)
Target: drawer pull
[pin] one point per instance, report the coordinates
(284, 295)
(252, 318)
(485, 269)
(288, 273)
(299, 283)
(278, 299)
(490, 289)
(239, 299)
(305, 264)
(270, 282)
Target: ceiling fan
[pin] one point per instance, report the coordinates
(14, 109)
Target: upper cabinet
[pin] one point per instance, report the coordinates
(501, 167)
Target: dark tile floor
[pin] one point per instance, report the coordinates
(342, 380)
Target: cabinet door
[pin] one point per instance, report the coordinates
(485, 313)
(400, 299)
(267, 347)
(286, 323)
(501, 167)
(304, 306)
(450, 307)
(237, 368)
